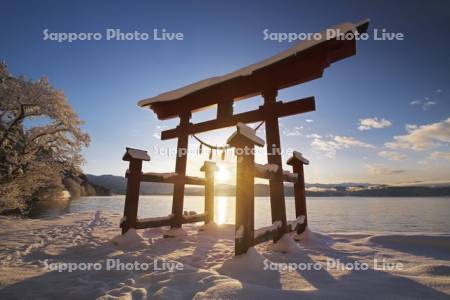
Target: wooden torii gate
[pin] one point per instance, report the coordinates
(301, 63)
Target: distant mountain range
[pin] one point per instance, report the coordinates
(117, 185)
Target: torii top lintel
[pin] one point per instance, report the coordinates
(303, 62)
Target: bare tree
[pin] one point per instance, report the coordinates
(40, 139)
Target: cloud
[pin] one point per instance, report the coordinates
(428, 103)
(295, 132)
(157, 132)
(348, 141)
(320, 189)
(292, 131)
(309, 121)
(374, 169)
(369, 123)
(436, 157)
(330, 147)
(392, 155)
(314, 136)
(425, 103)
(415, 102)
(423, 137)
(440, 155)
(410, 127)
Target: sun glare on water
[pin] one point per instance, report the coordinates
(222, 175)
(222, 210)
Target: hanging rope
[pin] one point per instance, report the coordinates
(202, 143)
(212, 147)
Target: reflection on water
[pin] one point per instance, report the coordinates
(222, 210)
(328, 214)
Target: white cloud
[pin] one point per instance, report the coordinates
(330, 147)
(309, 121)
(425, 103)
(157, 132)
(369, 123)
(436, 157)
(314, 136)
(348, 141)
(410, 127)
(374, 169)
(423, 137)
(320, 189)
(440, 155)
(392, 155)
(293, 133)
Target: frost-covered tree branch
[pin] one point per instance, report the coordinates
(40, 137)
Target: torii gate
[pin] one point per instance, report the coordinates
(301, 63)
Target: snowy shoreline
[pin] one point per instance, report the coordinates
(209, 269)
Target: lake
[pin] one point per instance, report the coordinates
(326, 214)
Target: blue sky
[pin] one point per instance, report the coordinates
(401, 83)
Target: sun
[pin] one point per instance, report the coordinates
(222, 174)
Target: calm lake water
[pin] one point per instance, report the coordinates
(326, 214)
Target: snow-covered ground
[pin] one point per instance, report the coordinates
(200, 264)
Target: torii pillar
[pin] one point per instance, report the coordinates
(297, 161)
(135, 158)
(274, 157)
(180, 169)
(244, 140)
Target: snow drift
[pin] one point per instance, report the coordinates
(210, 269)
